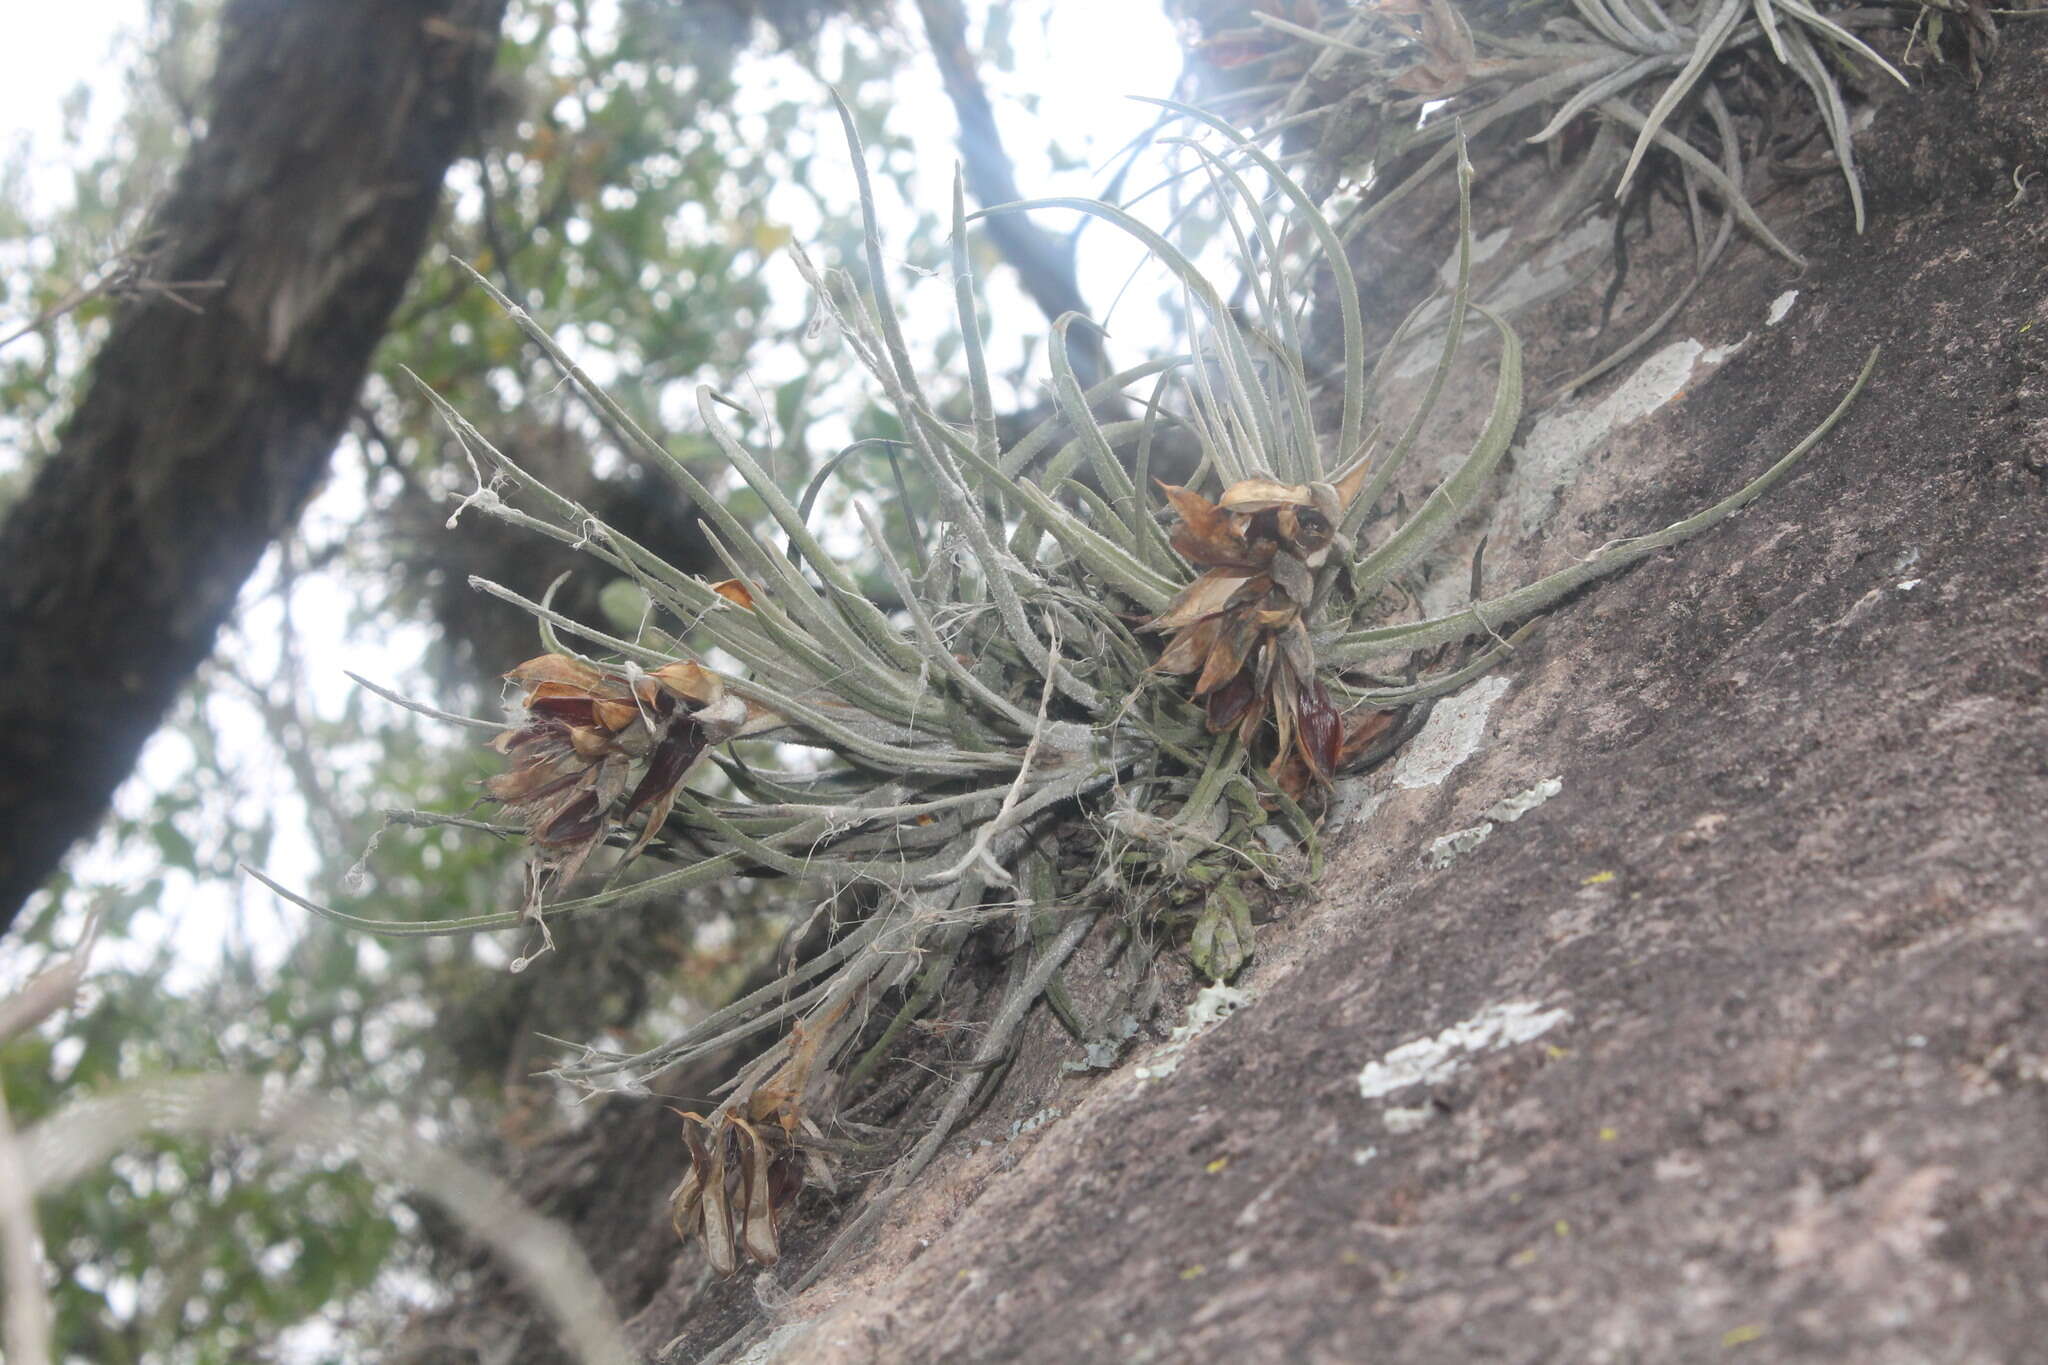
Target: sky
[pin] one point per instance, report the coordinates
(50, 50)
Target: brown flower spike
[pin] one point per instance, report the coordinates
(1240, 628)
(585, 734)
(746, 1170)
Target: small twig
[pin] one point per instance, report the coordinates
(121, 278)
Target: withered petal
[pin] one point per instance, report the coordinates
(1189, 648)
(1207, 534)
(557, 668)
(590, 743)
(757, 1227)
(691, 681)
(1229, 704)
(1226, 658)
(1319, 729)
(1277, 618)
(1205, 596)
(1285, 696)
(1350, 481)
(1360, 734)
(1263, 495)
(668, 765)
(614, 715)
(1254, 716)
(1293, 578)
(574, 823)
(718, 1221)
(683, 1205)
(1297, 651)
(735, 591)
(531, 782)
(578, 711)
(785, 1179)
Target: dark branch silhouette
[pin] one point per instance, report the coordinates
(1043, 261)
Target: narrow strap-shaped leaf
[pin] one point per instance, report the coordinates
(1240, 372)
(889, 757)
(1040, 438)
(878, 275)
(1356, 647)
(1731, 193)
(1833, 113)
(1441, 510)
(1116, 483)
(1596, 90)
(979, 393)
(1284, 343)
(934, 647)
(1713, 37)
(668, 883)
(840, 664)
(848, 598)
(1454, 334)
(1813, 18)
(1112, 562)
(1334, 255)
(1451, 681)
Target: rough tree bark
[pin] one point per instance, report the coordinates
(1785, 922)
(203, 430)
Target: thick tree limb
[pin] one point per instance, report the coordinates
(1043, 262)
(201, 434)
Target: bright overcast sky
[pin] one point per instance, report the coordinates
(50, 51)
(1101, 50)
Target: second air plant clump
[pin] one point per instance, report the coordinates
(1095, 699)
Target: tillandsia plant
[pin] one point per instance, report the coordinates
(1109, 696)
(1696, 80)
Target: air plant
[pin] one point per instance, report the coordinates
(1644, 74)
(1094, 700)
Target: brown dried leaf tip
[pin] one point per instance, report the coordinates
(586, 733)
(1240, 627)
(744, 1172)
(742, 1176)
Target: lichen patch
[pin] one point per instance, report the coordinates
(1432, 1061)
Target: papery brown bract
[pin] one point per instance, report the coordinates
(586, 731)
(1239, 626)
(746, 1170)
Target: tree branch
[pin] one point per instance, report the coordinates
(201, 434)
(1043, 261)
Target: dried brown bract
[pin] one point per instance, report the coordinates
(587, 731)
(939, 790)
(747, 1168)
(1242, 625)
(742, 1175)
